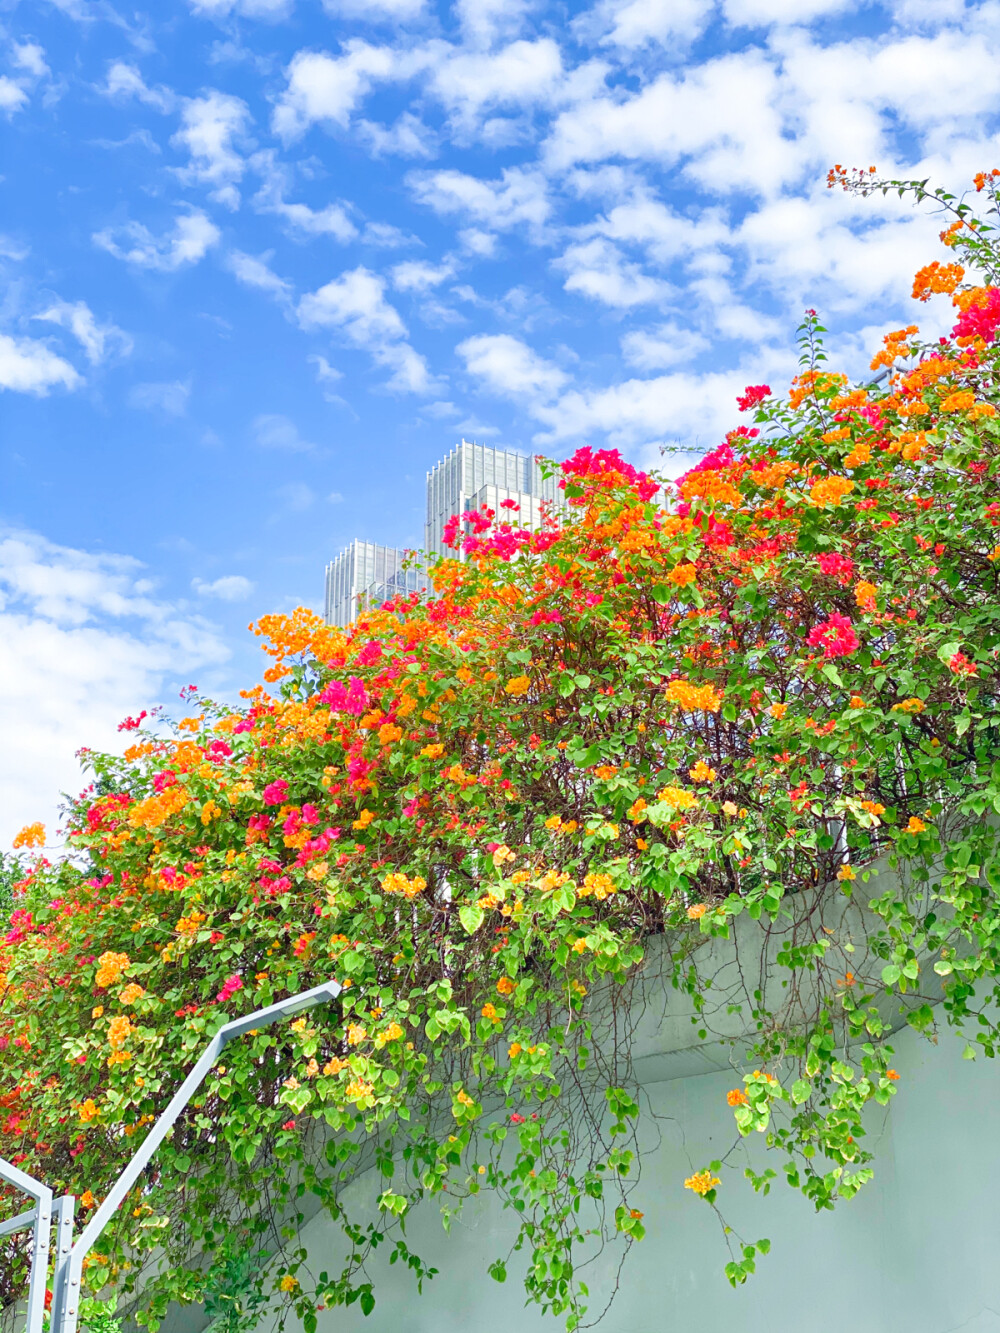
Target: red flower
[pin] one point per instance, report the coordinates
(835, 636)
(752, 395)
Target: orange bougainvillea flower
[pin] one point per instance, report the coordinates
(701, 1183)
(737, 1097)
(32, 835)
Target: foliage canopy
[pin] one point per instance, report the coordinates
(663, 709)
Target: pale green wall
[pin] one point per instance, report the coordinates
(918, 1251)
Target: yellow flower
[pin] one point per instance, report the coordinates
(518, 685)
(357, 1090)
(637, 811)
(514, 1050)
(778, 710)
(97, 1011)
(909, 706)
(597, 883)
(694, 698)
(397, 882)
(289, 1283)
(696, 912)
(846, 873)
(915, 825)
(131, 993)
(701, 1182)
(701, 772)
(857, 701)
(110, 967)
(356, 1034)
(118, 1032)
(432, 751)
(677, 798)
(505, 986)
(89, 1111)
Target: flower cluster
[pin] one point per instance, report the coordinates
(667, 705)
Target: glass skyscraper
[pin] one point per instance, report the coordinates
(471, 476)
(363, 573)
(476, 474)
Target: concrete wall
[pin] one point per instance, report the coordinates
(917, 1251)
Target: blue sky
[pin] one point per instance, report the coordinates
(266, 261)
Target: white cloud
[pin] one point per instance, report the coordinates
(522, 74)
(193, 235)
(416, 276)
(325, 373)
(268, 10)
(253, 272)
(12, 95)
(325, 88)
(662, 346)
(721, 115)
(485, 21)
(664, 234)
(229, 588)
(386, 236)
(632, 23)
(28, 366)
(510, 367)
(695, 409)
(209, 125)
(332, 220)
(763, 13)
(274, 431)
(30, 57)
(82, 644)
(597, 269)
(519, 196)
(355, 305)
(124, 81)
(375, 11)
(408, 137)
(168, 396)
(95, 339)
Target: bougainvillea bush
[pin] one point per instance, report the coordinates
(670, 706)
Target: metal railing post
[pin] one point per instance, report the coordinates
(70, 1255)
(39, 1219)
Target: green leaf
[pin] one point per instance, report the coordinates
(471, 917)
(891, 974)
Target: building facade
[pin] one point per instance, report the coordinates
(476, 474)
(363, 573)
(471, 476)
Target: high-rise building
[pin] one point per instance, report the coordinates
(471, 476)
(474, 475)
(366, 572)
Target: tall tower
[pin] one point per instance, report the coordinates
(365, 570)
(473, 475)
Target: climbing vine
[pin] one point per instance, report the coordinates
(674, 714)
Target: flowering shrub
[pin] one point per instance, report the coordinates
(475, 809)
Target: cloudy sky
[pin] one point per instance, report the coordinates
(265, 261)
